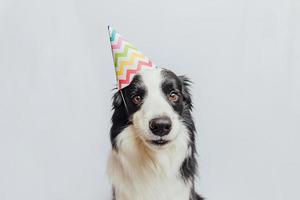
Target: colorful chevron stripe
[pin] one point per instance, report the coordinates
(128, 60)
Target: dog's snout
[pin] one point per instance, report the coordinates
(160, 126)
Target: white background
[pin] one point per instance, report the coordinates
(56, 76)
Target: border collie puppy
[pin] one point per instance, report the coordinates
(153, 153)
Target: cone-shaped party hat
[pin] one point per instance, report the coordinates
(128, 60)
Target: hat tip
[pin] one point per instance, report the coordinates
(110, 28)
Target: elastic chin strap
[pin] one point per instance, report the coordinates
(124, 102)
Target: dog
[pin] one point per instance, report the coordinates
(153, 153)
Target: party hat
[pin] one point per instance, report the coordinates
(128, 60)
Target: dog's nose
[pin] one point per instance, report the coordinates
(160, 126)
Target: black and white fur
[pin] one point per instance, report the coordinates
(145, 166)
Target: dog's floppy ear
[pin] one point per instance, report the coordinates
(119, 118)
(117, 100)
(186, 83)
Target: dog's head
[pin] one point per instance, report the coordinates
(156, 105)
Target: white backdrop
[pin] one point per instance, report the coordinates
(56, 76)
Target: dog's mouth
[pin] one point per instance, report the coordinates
(159, 142)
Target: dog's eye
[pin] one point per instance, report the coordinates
(173, 96)
(137, 99)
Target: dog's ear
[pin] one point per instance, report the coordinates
(186, 83)
(119, 118)
(117, 100)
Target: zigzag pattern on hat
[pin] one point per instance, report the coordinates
(128, 60)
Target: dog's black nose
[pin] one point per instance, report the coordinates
(160, 126)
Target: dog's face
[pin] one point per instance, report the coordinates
(157, 106)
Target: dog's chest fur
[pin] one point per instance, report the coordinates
(138, 173)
